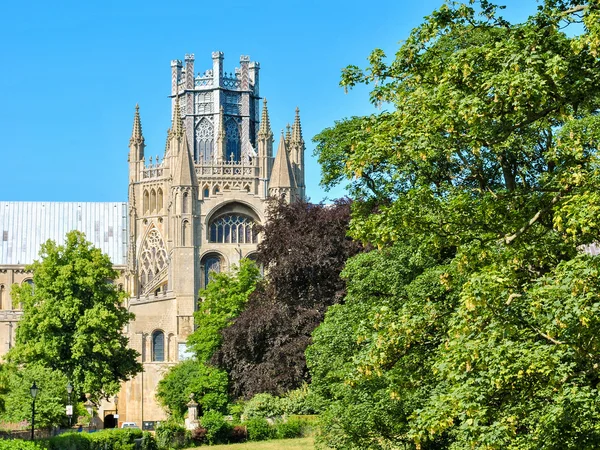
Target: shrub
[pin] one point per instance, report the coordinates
(236, 410)
(114, 439)
(171, 435)
(259, 429)
(302, 401)
(17, 444)
(238, 434)
(291, 428)
(148, 442)
(217, 429)
(199, 435)
(262, 406)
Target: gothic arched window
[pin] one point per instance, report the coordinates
(152, 200)
(158, 346)
(211, 264)
(184, 206)
(2, 305)
(233, 228)
(204, 141)
(146, 204)
(153, 257)
(186, 238)
(159, 200)
(232, 133)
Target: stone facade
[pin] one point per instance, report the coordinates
(191, 212)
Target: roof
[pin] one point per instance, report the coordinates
(24, 226)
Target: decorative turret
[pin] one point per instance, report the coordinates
(288, 136)
(136, 142)
(265, 149)
(282, 181)
(136, 148)
(297, 154)
(265, 124)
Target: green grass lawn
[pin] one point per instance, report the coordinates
(281, 444)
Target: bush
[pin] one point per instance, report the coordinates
(17, 444)
(217, 429)
(259, 429)
(302, 401)
(238, 434)
(291, 428)
(114, 439)
(199, 435)
(262, 406)
(236, 410)
(171, 435)
(148, 442)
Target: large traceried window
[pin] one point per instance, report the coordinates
(153, 257)
(232, 133)
(204, 141)
(158, 346)
(233, 228)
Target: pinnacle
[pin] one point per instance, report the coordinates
(288, 134)
(136, 134)
(265, 124)
(297, 128)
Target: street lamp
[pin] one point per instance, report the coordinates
(33, 390)
(116, 416)
(69, 405)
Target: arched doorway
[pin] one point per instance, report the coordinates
(110, 421)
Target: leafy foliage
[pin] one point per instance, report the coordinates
(208, 384)
(304, 249)
(49, 403)
(474, 324)
(222, 300)
(217, 429)
(73, 319)
(172, 435)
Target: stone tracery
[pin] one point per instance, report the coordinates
(153, 258)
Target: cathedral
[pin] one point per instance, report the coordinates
(190, 212)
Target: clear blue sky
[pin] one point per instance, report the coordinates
(72, 72)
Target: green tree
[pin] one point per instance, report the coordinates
(221, 302)
(488, 156)
(50, 401)
(73, 318)
(208, 384)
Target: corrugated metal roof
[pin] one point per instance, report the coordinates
(24, 226)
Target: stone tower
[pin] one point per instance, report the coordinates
(194, 209)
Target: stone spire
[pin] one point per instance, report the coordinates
(265, 124)
(136, 135)
(282, 176)
(297, 128)
(185, 173)
(136, 142)
(288, 135)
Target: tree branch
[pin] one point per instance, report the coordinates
(509, 239)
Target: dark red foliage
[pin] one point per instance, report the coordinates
(199, 435)
(238, 434)
(304, 249)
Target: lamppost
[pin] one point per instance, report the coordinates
(69, 405)
(33, 390)
(117, 410)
